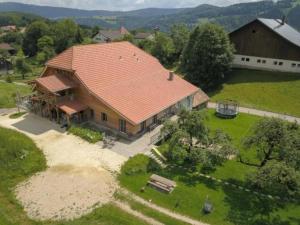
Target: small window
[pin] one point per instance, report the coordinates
(298, 65)
(104, 117)
(294, 64)
(243, 59)
(280, 63)
(275, 62)
(253, 31)
(259, 61)
(247, 59)
(264, 61)
(92, 114)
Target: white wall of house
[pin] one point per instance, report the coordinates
(260, 63)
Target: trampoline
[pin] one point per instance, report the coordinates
(227, 108)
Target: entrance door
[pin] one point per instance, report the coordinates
(143, 126)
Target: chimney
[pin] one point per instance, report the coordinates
(283, 20)
(171, 75)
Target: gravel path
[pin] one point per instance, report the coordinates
(163, 210)
(257, 112)
(125, 207)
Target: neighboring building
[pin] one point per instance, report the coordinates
(7, 47)
(267, 44)
(116, 85)
(143, 36)
(105, 36)
(8, 28)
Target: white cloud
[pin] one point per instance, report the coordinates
(128, 4)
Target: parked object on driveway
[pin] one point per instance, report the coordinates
(208, 207)
(161, 183)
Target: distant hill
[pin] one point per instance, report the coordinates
(230, 17)
(18, 18)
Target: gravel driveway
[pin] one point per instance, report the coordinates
(79, 178)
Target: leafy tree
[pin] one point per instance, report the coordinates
(22, 66)
(277, 178)
(146, 45)
(33, 33)
(190, 141)
(269, 138)
(78, 36)
(95, 30)
(207, 56)
(163, 48)
(65, 33)
(46, 49)
(12, 37)
(180, 36)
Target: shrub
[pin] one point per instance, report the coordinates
(8, 79)
(136, 165)
(87, 134)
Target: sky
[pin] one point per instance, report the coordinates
(124, 5)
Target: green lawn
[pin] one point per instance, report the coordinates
(20, 159)
(7, 90)
(271, 91)
(231, 206)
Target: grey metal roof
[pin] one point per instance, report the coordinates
(283, 29)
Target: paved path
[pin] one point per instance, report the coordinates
(17, 83)
(163, 210)
(125, 207)
(257, 112)
(7, 111)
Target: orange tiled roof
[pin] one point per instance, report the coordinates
(71, 106)
(124, 77)
(55, 82)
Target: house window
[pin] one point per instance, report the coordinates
(298, 65)
(280, 63)
(247, 60)
(259, 61)
(294, 64)
(243, 58)
(122, 126)
(275, 62)
(253, 31)
(103, 117)
(264, 61)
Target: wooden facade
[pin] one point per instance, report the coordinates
(47, 104)
(256, 39)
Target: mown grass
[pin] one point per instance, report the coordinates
(271, 91)
(148, 211)
(231, 205)
(19, 159)
(17, 115)
(8, 91)
(86, 133)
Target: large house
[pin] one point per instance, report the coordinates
(104, 36)
(269, 44)
(115, 85)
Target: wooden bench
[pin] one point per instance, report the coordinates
(161, 183)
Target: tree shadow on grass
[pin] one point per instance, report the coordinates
(248, 209)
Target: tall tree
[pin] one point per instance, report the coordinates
(180, 36)
(207, 56)
(64, 33)
(33, 33)
(46, 49)
(163, 48)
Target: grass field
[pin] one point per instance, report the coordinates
(271, 91)
(19, 159)
(231, 206)
(7, 90)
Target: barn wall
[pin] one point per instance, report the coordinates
(251, 62)
(255, 39)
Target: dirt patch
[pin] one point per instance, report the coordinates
(65, 192)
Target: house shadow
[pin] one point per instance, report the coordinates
(249, 209)
(37, 125)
